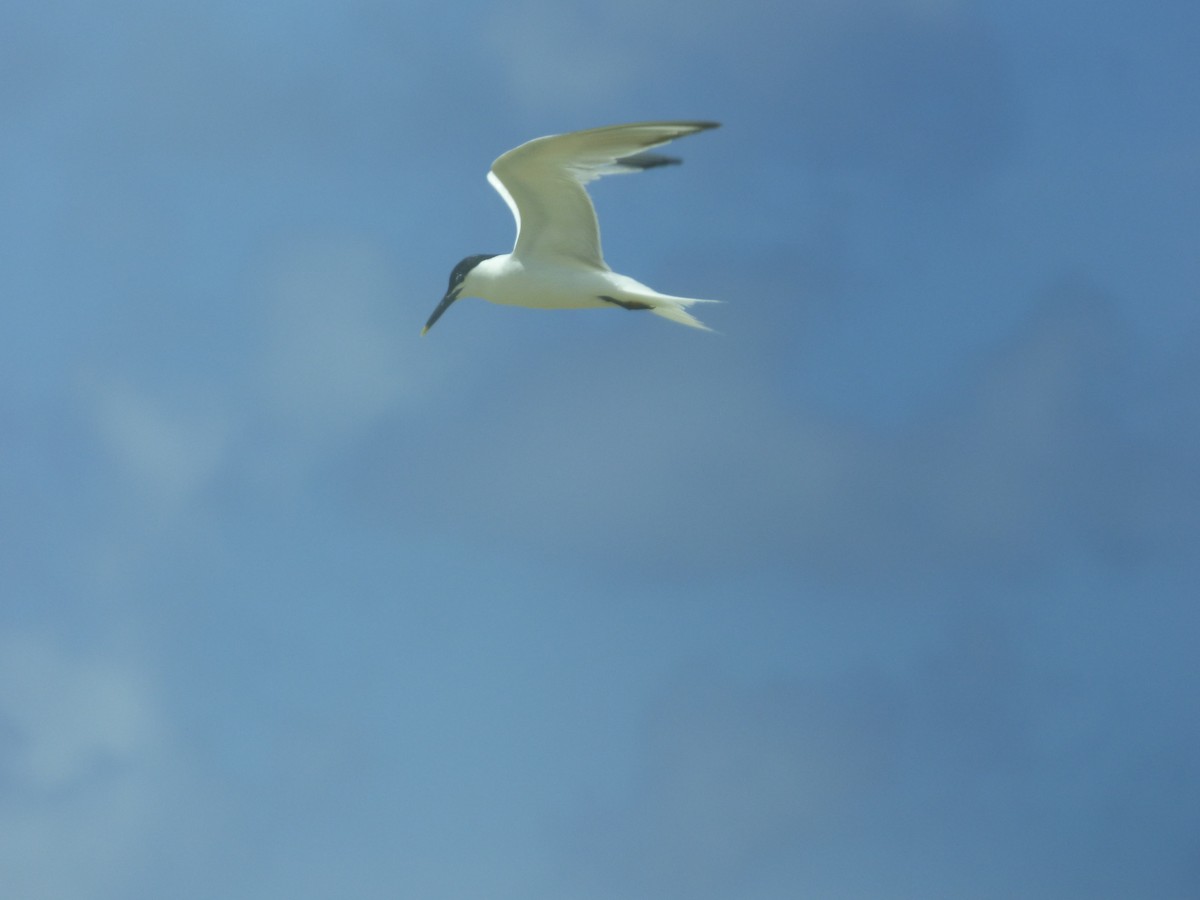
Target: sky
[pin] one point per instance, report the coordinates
(887, 589)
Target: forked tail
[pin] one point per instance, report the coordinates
(675, 309)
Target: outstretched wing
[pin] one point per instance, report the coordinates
(542, 181)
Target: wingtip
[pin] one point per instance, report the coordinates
(425, 331)
(697, 127)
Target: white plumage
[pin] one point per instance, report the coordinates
(557, 262)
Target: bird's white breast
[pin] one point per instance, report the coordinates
(506, 280)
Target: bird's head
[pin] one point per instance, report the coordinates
(460, 283)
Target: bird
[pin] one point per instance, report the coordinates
(557, 262)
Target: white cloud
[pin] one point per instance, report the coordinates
(330, 364)
(734, 778)
(71, 716)
(166, 445)
(82, 763)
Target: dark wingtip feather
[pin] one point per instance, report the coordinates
(648, 160)
(695, 127)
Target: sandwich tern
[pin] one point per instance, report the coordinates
(556, 262)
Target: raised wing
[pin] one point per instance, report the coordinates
(542, 181)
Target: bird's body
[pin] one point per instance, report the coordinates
(557, 262)
(508, 281)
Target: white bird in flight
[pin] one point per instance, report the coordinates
(556, 262)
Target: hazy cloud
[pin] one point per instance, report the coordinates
(980, 768)
(80, 745)
(167, 447)
(734, 777)
(330, 364)
(909, 86)
(722, 472)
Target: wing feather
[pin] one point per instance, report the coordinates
(542, 181)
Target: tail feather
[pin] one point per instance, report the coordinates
(675, 309)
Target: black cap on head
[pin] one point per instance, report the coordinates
(456, 279)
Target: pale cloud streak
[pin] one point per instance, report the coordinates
(84, 767)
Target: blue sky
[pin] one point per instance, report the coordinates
(887, 590)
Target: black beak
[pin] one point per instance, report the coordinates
(451, 296)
